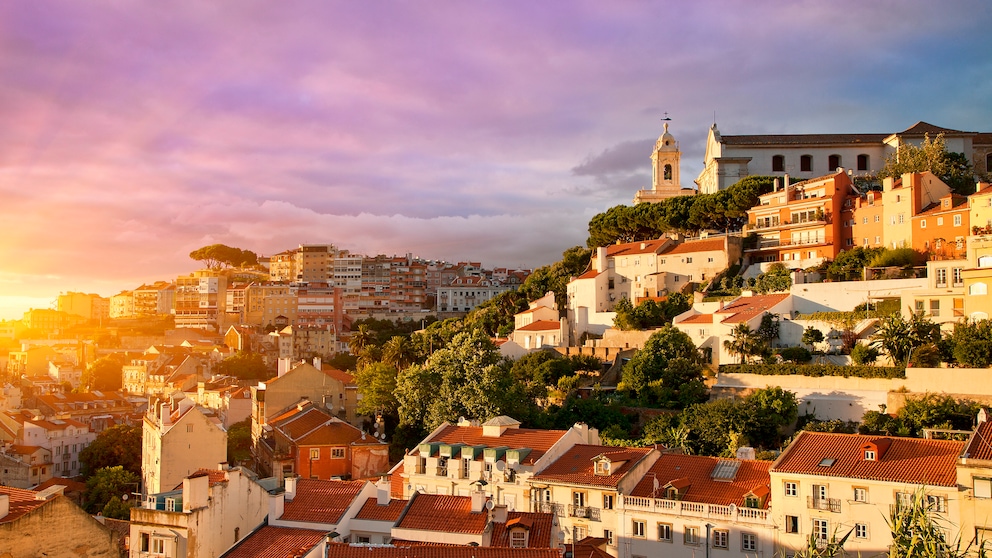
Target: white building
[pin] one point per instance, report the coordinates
(178, 439)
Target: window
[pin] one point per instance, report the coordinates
(145, 542)
(721, 538)
(752, 501)
(983, 487)
(170, 504)
(337, 453)
(938, 503)
(579, 499)
(158, 546)
(602, 467)
(861, 495)
(941, 277)
(821, 529)
(956, 275)
(806, 163)
(833, 162)
(902, 218)
(518, 538)
(869, 455)
(940, 221)
(637, 528)
(608, 535)
(791, 524)
(607, 501)
(314, 453)
(778, 163)
(863, 161)
(791, 489)
(860, 531)
(189, 428)
(923, 223)
(935, 307)
(691, 535)
(957, 220)
(749, 541)
(688, 260)
(978, 289)
(665, 532)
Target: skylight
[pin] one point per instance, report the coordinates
(827, 462)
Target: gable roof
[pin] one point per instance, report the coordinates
(539, 441)
(694, 474)
(692, 246)
(444, 513)
(745, 308)
(639, 247)
(372, 511)
(276, 542)
(22, 502)
(541, 325)
(577, 465)
(305, 424)
(321, 501)
(980, 444)
(341, 550)
(907, 460)
(539, 525)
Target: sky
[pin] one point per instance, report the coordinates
(132, 133)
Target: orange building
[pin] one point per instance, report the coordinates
(800, 224)
(940, 230)
(867, 223)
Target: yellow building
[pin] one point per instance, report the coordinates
(829, 485)
(975, 478)
(977, 277)
(903, 198)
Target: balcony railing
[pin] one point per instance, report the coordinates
(584, 512)
(826, 504)
(775, 243)
(695, 509)
(549, 507)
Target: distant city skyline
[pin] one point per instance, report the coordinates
(493, 132)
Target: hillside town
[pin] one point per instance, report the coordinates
(788, 358)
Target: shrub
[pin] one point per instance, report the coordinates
(815, 370)
(798, 355)
(864, 354)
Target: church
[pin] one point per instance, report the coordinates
(664, 172)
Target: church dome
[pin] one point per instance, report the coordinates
(666, 142)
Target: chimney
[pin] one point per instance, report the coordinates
(600, 265)
(283, 366)
(777, 186)
(499, 514)
(478, 501)
(382, 492)
(196, 492)
(316, 363)
(290, 488)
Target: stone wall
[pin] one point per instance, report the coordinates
(58, 529)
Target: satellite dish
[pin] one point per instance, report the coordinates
(500, 465)
(490, 505)
(124, 497)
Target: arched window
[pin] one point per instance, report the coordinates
(668, 172)
(778, 163)
(863, 161)
(833, 162)
(978, 289)
(806, 163)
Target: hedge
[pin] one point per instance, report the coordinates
(815, 370)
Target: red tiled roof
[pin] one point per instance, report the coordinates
(21, 502)
(539, 441)
(698, 319)
(277, 542)
(958, 203)
(321, 501)
(313, 426)
(631, 248)
(339, 375)
(590, 547)
(576, 466)
(592, 273)
(541, 325)
(216, 476)
(396, 481)
(539, 525)
(441, 512)
(747, 307)
(695, 473)
(922, 127)
(907, 460)
(691, 246)
(339, 550)
(980, 444)
(69, 484)
(374, 512)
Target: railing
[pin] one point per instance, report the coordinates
(548, 507)
(765, 244)
(584, 512)
(695, 509)
(827, 504)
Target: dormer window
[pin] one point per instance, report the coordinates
(752, 501)
(602, 467)
(870, 455)
(672, 493)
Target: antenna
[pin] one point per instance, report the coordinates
(666, 116)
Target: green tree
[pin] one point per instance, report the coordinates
(932, 155)
(972, 344)
(850, 264)
(107, 483)
(377, 384)
(361, 338)
(812, 336)
(778, 278)
(899, 337)
(654, 367)
(239, 442)
(466, 378)
(117, 445)
(863, 354)
(216, 256)
(745, 343)
(244, 365)
(399, 352)
(104, 374)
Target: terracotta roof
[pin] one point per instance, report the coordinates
(631, 248)
(921, 128)
(321, 501)
(445, 513)
(691, 246)
(216, 476)
(592, 273)
(980, 444)
(747, 307)
(958, 203)
(590, 547)
(907, 460)
(396, 481)
(541, 325)
(696, 472)
(69, 484)
(576, 466)
(539, 441)
(374, 512)
(314, 427)
(803, 139)
(339, 375)
(698, 319)
(539, 525)
(277, 542)
(339, 550)
(22, 502)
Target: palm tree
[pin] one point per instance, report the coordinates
(398, 352)
(745, 343)
(361, 338)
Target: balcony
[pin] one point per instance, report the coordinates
(584, 512)
(770, 243)
(825, 504)
(549, 507)
(695, 509)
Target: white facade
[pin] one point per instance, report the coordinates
(177, 440)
